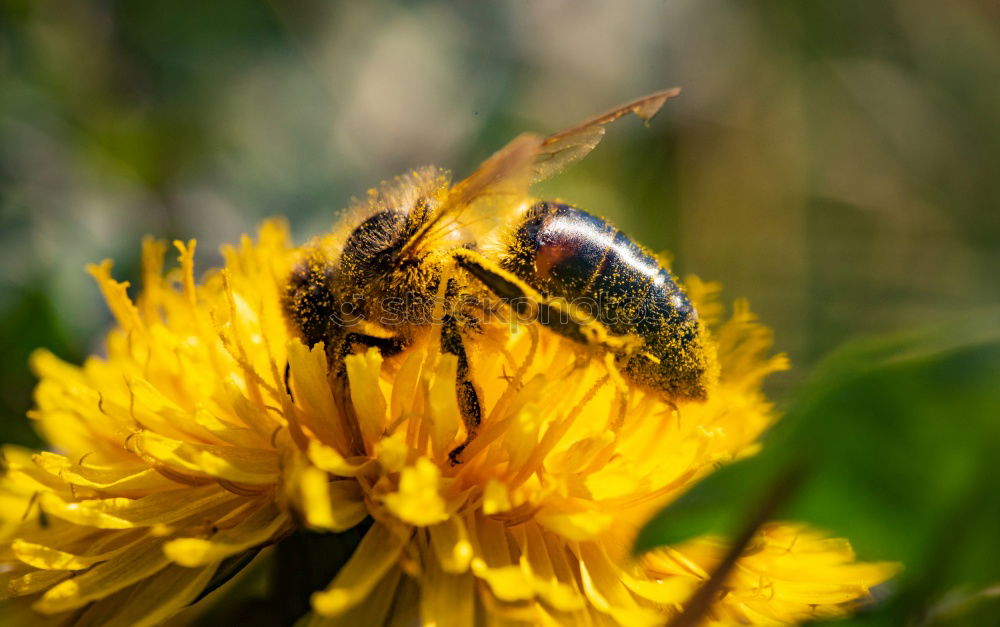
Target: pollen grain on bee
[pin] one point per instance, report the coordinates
(421, 309)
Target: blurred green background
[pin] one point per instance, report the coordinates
(838, 163)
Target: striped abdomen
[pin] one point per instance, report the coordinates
(565, 252)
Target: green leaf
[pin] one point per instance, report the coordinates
(896, 445)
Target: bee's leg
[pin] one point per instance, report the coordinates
(388, 346)
(468, 397)
(338, 351)
(526, 301)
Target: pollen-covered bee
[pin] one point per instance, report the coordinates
(421, 254)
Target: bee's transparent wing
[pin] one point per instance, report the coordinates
(501, 180)
(559, 150)
(488, 197)
(499, 186)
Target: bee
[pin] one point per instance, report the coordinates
(424, 254)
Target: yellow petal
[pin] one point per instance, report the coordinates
(496, 499)
(580, 454)
(551, 578)
(103, 579)
(312, 391)
(575, 521)
(121, 479)
(257, 418)
(153, 251)
(363, 372)
(418, 500)
(378, 551)
(235, 435)
(790, 573)
(523, 435)
(332, 505)
(54, 532)
(35, 581)
(406, 605)
(186, 259)
(328, 459)
(669, 591)
(393, 452)
(607, 593)
(258, 528)
(49, 558)
(18, 612)
(247, 466)
(150, 602)
(116, 295)
(451, 545)
(406, 385)
(493, 562)
(446, 599)
(444, 414)
(122, 513)
(508, 583)
(316, 497)
(364, 614)
(152, 409)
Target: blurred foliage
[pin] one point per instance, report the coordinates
(835, 162)
(892, 443)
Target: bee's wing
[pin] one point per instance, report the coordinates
(559, 150)
(505, 176)
(486, 198)
(499, 186)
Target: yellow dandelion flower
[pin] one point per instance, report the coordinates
(166, 452)
(789, 573)
(180, 450)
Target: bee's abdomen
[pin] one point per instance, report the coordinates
(565, 252)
